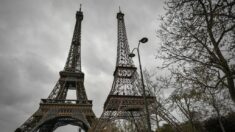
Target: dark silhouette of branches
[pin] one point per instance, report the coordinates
(200, 34)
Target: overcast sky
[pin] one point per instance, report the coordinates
(35, 36)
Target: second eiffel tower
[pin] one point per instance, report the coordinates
(125, 101)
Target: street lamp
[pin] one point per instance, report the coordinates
(143, 40)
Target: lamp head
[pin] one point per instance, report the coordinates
(143, 40)
(131, 55)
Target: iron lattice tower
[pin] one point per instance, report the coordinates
(56, 110)
(125, 100)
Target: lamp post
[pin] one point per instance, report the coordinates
(143, 40)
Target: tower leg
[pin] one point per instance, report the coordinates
(18, 130)
(46, 128)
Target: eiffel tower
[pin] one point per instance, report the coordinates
(56, 110)
(125, 100)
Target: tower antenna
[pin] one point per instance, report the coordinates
(120, 9)
(80, 7)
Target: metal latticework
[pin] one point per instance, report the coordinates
(56, 110)
(73, 63)
(167, 116)
(125, 100)
(123, 49)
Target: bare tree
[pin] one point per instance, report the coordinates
(200, 33)
(157, 85)
(193, 85)
(185, 99)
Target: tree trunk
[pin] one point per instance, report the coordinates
(221, 125)
(219, 117)
(217, 112)
(231, 86)
(157, 122)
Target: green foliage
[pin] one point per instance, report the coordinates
(185, 126)
(212, 124)
(165, 128)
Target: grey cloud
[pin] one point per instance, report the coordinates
(35, 37)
